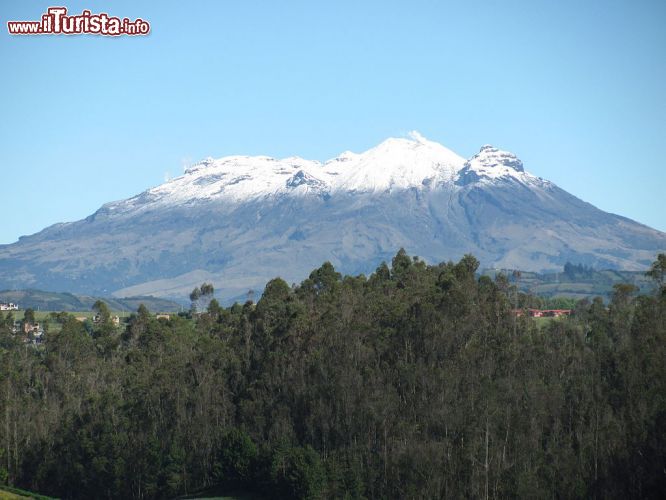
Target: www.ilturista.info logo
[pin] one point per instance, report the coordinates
(56, 22)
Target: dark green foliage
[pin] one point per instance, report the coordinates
(29, 316)
(416, 382)
(236, 460)
(658, 269)
(574, 271)
(296, 472)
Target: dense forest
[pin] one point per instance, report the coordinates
(418, 381)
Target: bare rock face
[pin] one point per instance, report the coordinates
(240, 221)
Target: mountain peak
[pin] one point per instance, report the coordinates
(308, 181)
(492, 163)
(490, 157)
(396, 163)
(413, 140)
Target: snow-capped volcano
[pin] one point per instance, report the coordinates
(241, 220)
(397, 163)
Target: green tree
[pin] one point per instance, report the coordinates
(201, 296)
(297, 472)
(235, 461)
(658, 272)
(102, 312)
(29, 316)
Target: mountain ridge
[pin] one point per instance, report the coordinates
(239, 221)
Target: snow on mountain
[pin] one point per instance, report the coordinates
(396, 163)
(238, 221)
(491, 164)
(235, 179)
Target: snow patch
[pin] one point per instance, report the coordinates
(395, 164)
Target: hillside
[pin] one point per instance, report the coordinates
(590, 284)
(63, 301)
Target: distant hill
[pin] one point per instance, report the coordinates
(575, 284)
(63, 301)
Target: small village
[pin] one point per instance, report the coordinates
(32, 331)
(542, 313)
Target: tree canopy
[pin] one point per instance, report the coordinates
(418, 381)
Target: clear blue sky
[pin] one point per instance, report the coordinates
(576, 89)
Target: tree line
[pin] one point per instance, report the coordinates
(417, 381)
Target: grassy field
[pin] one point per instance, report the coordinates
(44, 315)
(6, 495)
(235, 495)
(44, 318)
(9, 493)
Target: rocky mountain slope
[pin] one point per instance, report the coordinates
(239, 221)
